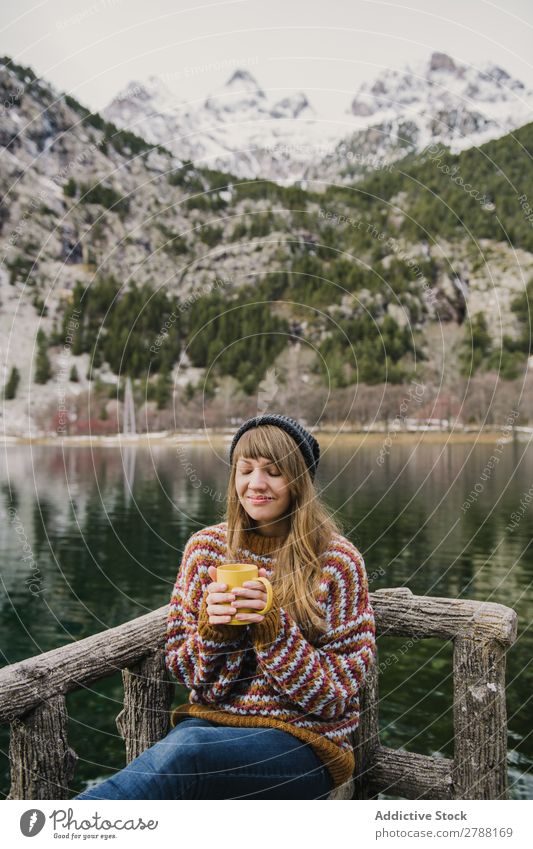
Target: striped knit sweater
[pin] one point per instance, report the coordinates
(267, 673)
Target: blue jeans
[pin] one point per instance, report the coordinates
(200, 759)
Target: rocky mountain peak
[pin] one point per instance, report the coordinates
(243, 81)
(241, 92)
(441, 62)
(292, 106)
(153, 92)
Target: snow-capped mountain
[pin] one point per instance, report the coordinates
(447, 100)
(239, 128)
(241, 93)
(245, 130)
(439, 101)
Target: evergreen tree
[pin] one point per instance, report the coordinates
(11, 386)
(43, 369)
(163, 389)
(476, 346)
(522, 307)
(70, 188)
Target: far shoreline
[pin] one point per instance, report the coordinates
(326, 435)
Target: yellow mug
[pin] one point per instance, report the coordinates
(234, 575)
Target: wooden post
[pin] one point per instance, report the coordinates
(145, 718)
(480, 719)
(366, 738)
(42, 763)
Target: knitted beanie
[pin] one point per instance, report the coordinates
(307, 443)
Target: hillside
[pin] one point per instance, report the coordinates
(219, 295)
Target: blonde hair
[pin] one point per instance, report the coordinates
(298, 568)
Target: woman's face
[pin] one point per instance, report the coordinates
(264, 493)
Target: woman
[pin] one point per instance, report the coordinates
(272, 703)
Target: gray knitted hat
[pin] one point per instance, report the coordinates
(305, 441)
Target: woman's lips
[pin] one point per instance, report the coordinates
(259, 500)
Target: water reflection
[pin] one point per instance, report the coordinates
(129, 455)
(106, 527)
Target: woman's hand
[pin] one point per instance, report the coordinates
(222, 605)
(251, 594)
(219, 602)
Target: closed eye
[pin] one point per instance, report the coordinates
(272, 474)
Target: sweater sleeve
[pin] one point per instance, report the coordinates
(205, 658)
(322, 680)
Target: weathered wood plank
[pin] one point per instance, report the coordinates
(400, 613)
(409, 775)
(480, 720)
(26, 684)
(145, 717)
(42, 762)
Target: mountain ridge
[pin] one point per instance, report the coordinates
(100, 222)
(437, 100)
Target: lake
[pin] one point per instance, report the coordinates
(101, 529)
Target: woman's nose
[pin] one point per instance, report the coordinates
(257, 480)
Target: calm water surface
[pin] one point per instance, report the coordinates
(106, 528)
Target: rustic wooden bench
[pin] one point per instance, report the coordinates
(33, 701)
